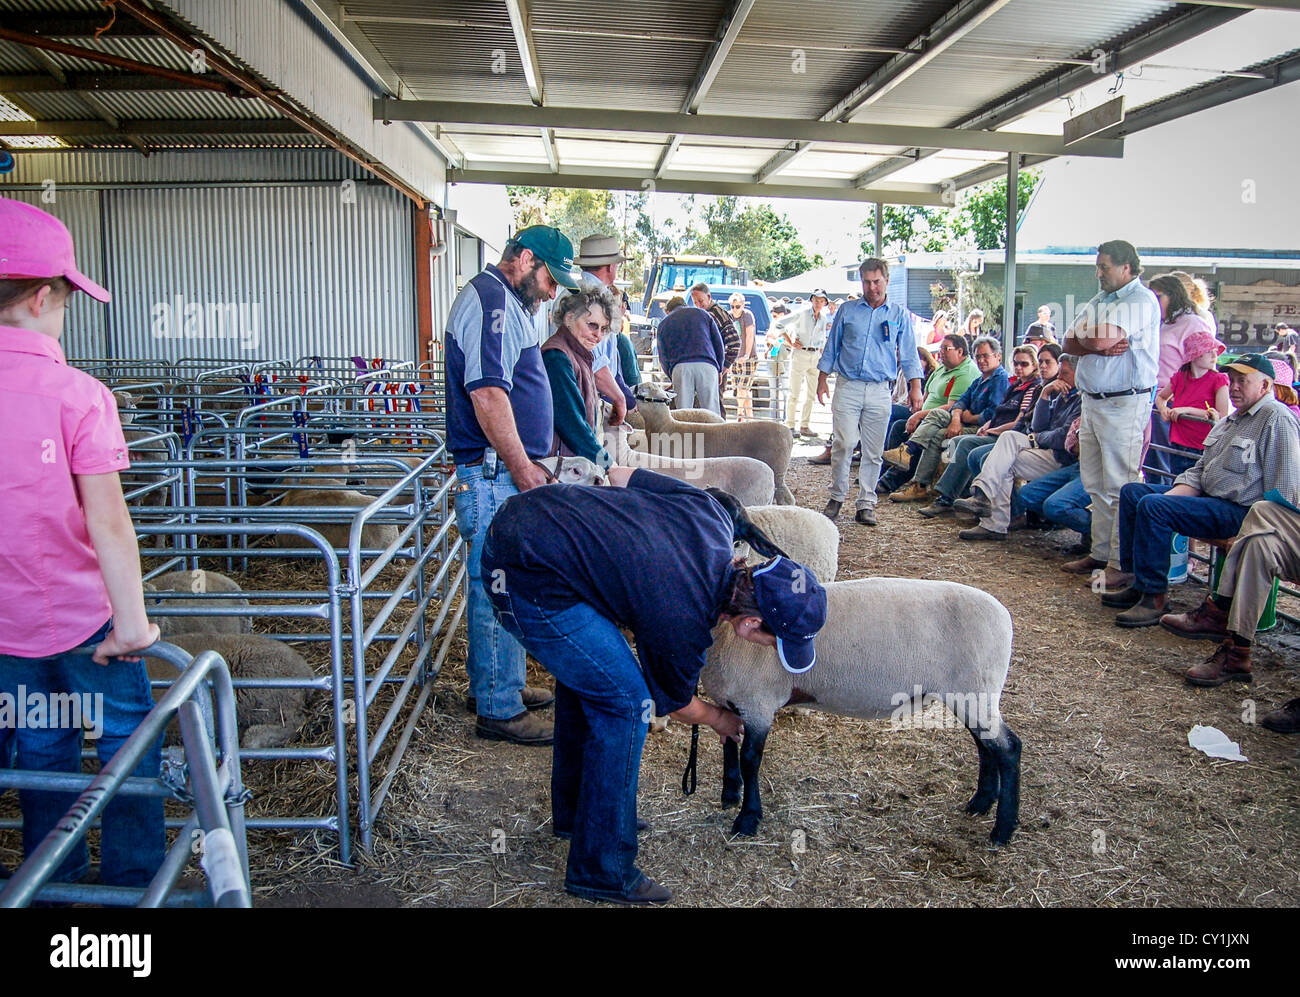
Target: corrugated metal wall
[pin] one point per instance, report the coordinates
(289, 270)
(108, 167)
(86, 329)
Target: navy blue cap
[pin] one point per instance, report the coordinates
(793, 605)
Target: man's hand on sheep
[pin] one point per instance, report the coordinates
(728, 725)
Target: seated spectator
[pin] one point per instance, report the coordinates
(1250, 452)
(582, 320)
(1195, 399)
(691, 353)
(1284, 386)
(1023, 455)
(976, 407)
(1059, 498)
(956, 372)
(1267, 547)
(1013, 412)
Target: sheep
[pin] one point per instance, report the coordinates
(874, 660)
(748, 479)
(768, 530)
(572, 471)
(635, 420)
(196, 581)
(267, 718)
(373, 535)
(769, 442)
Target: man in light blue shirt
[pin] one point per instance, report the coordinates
(870, 340)
(1117, 338)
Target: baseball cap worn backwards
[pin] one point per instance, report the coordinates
(36, 244)
(793, 605)
(553, 248)
(1248, 362)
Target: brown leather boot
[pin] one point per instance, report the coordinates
(822, 458)
(1206, 622)
(523, 729)
(1229, 663)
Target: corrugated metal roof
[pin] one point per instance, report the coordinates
(791, 58)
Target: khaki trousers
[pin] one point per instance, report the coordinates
(1267, 547)
(1012, 457)
(1111, 433)
(803, 382)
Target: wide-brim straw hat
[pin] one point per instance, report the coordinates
(598, 251)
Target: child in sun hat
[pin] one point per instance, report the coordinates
(1284, 383)
(1196, 398)
(72, 614)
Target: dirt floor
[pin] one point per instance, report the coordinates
(1117, 810)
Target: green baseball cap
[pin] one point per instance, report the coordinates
(1248, 362)
(553, 248)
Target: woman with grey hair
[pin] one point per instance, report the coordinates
(582, 319)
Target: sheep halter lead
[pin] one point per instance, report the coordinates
(692, 763)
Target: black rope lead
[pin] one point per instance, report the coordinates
(688, 777)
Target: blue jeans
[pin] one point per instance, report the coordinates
(495, 662)
(957, 478)
(132, 840)
(602, 710)
(1060, 498)
(1148, 520)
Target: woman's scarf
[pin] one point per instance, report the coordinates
(580, 359)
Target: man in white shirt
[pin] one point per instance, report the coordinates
(1117, 338)
(805, 331)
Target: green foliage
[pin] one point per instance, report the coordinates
(576, 213)
(977, 221)
(762, 240)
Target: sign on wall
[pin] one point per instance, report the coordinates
(1249, 313)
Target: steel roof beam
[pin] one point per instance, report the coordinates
(728, 31)
(958, 22)
(733, 126)
(1169, 32)
(634, 180)
(518, 11)
(73, 25)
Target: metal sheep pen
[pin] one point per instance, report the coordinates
(217, 793)
(266, 441)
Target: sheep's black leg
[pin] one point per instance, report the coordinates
(730, 773)
(1006, 750)
(986, 790)
(751, 756)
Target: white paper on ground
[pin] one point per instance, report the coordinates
(1215, 743)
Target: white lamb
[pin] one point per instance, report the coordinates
(792, 527)
(636, 421)
(769, 442)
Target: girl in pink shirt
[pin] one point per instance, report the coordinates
(1196, 398)
(72, 615)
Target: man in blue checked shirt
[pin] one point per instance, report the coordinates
(871, 339)
(499, 420)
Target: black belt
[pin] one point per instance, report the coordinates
(811, 349)
(1101, 395)
(471, 463)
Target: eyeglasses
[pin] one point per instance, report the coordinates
(985, 356)
(1023, 363)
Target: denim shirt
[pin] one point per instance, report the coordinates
(871, 344)
(985, 394)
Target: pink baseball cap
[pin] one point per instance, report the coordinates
(36, 244)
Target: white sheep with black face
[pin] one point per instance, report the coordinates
(888, 645)
(769, 442)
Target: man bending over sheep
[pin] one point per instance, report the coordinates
(567, 566)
